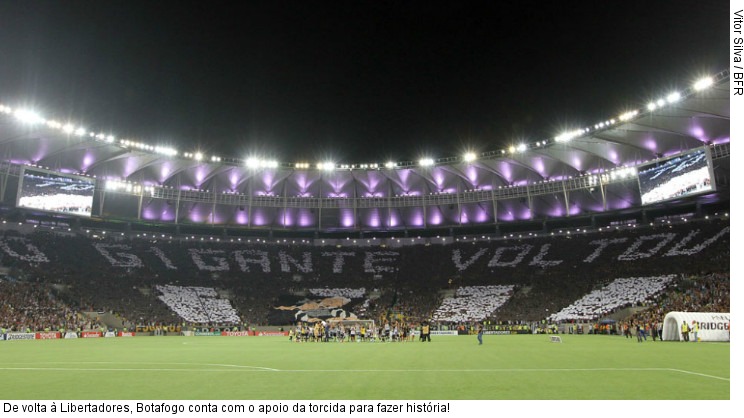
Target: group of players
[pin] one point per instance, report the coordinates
(323, 331)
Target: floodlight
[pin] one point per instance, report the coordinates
(28, 116)
(425, 162)
(628, 115)
(389, 164)
(567, 136)
(673, 97)
(703, 83)
(469, 156)
(198, 156)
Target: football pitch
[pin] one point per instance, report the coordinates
(511, 367)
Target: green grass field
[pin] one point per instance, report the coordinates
(504, 367)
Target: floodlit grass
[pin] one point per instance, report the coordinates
(504, 367)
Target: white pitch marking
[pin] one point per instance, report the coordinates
(157, 363)
(239, 368)
(700, 374)
(69, 369)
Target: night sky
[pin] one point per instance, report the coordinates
(350, 81)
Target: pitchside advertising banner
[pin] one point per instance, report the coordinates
(20, 336)
(241, 333)
(418, 333)
(58, 335)
(236, 333)
(48, 335)
(207, 333)
(512, 332)
(271, 333)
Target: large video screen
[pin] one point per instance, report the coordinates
(55, 192)
(677, 177)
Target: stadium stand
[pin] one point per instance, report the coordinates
(472, 303)
(620, 293)
(34, 307)
(545, 274)
(198, 304)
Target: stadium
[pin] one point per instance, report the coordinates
(546, 238)
(592, 265)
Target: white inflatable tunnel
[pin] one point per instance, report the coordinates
(713, 326)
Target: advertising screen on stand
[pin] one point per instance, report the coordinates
(677, 177)
(56, 192)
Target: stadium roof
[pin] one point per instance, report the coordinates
(674, 123)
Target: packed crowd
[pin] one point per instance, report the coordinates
(198, 304)
(27, 307)
(706, 293)
(544, 275)
(620, 293)
(472, 303)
